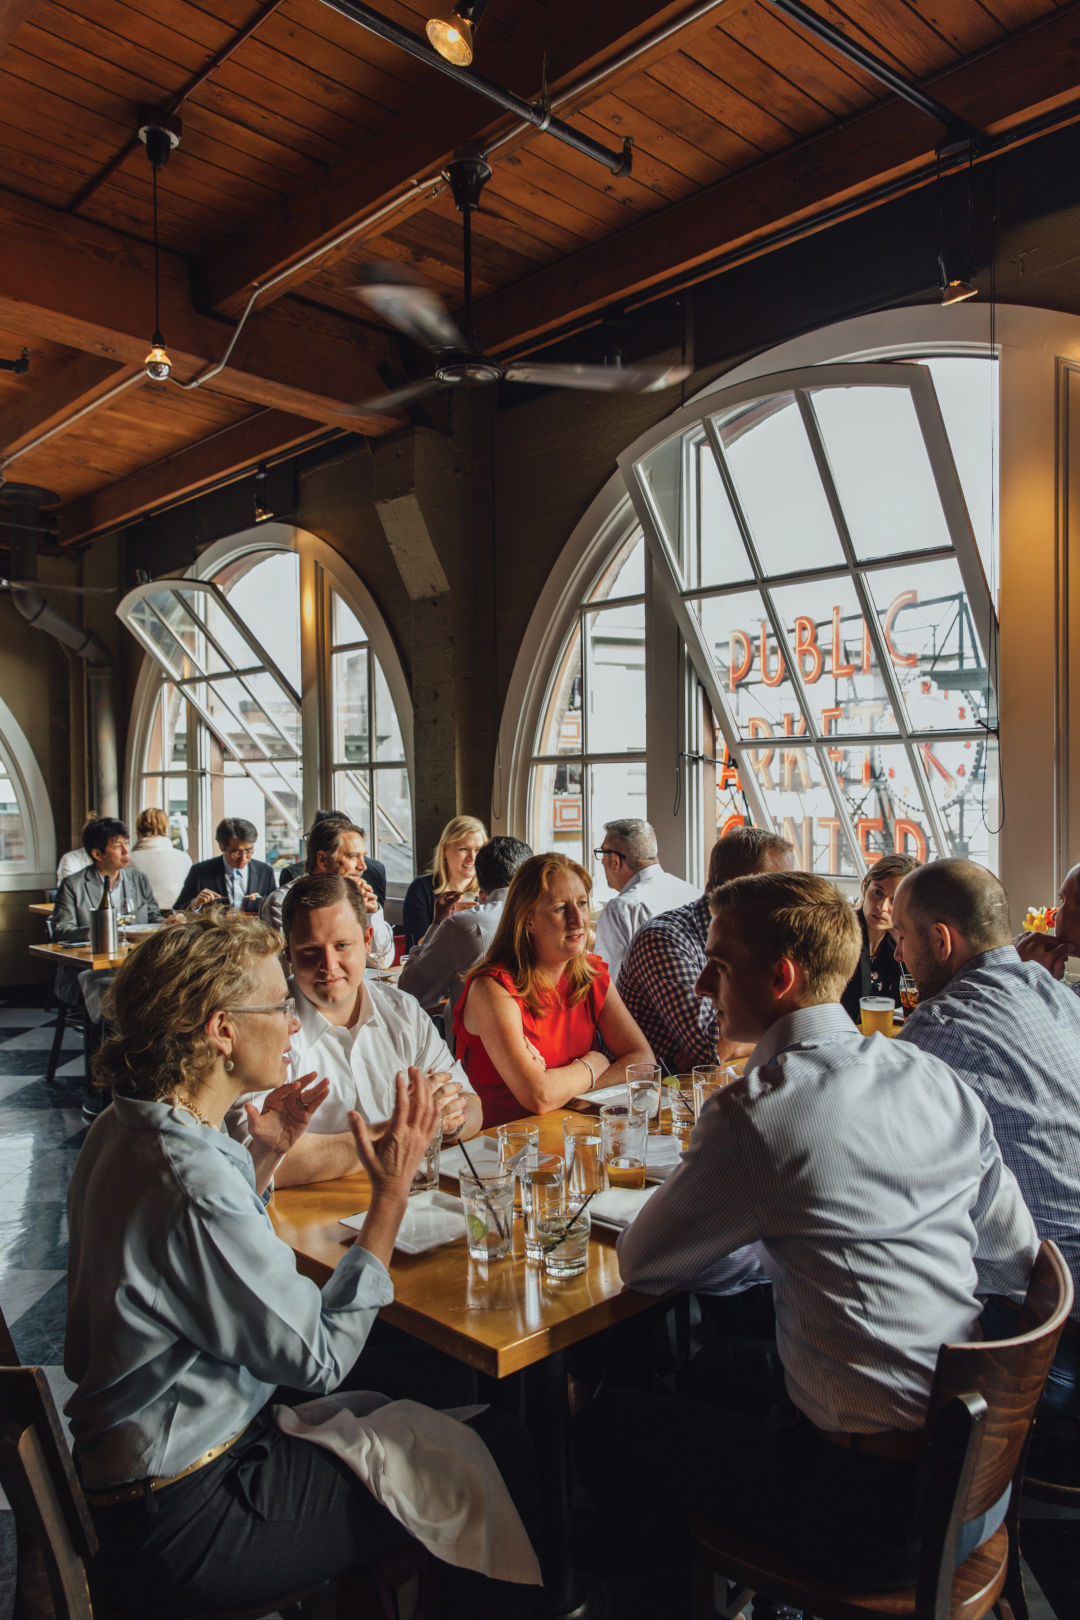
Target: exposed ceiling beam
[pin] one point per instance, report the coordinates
(1029, 75)
(83, 285)
(416, 148)
(183, 473)
(48, 400)
(13, 13)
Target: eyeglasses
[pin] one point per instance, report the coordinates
(288, 1007)
(600, 853)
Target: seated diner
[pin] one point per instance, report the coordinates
(539, 1016)
(451, 885)
(186, 1311)
(877, 972)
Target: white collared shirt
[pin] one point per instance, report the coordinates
(392, 1033)
(648, 893)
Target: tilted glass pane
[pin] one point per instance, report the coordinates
(718, 556)
(615, 790)
(963, 778)
(663, 473)
(752, 671)
(349, 707)
(777, 484)
(625, 574)
(346, 626)
(560, 728)
(254, 716)
(616, 680)
(266, 597)
(389, 744)
(927, 625)
(393, 824)
(881, 470)
(967, 391)
(797, 798)
(557, 809)
(175, 641)
(826, 633)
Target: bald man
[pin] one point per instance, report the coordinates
(1012, 1032)
(1052, 951)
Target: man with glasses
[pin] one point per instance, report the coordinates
(356, 1035)
(642, 888)
(232, 876)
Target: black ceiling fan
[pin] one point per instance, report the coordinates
(412, 307)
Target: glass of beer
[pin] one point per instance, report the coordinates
(581, 1149)
(518, 1148)
(643, 1087)
(909, 994)
(876, 1014)
(623, 1135)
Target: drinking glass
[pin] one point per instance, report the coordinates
(708, 1078)
(622, 1136)
(909, 994)
(876, 1014)
(488, 1201)
(581, 1149)
(125, 921)
(426, 1176)
(543, 1194)
(518, 1147)
(643, 1087)
(564, 1242)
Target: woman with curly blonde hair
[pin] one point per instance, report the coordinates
(186, 1311)
(537, 1011)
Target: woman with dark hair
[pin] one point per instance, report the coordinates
(878, 971)
(537, 1011)
(186, 1311)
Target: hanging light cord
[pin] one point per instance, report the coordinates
(157, 262)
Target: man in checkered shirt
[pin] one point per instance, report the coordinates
(1012, 1032)
(666, 959)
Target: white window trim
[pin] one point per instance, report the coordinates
(1040, 835)
(37, 870)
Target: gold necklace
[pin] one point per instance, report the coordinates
(186, 1103)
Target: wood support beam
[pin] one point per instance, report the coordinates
(416, 148)
(46, 402)
(209, 461)
(83, 285)
(13, 13)
(1029, 75)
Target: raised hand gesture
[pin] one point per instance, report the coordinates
(286, 1114)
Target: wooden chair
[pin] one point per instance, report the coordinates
(56, 1541)
(983, 1399)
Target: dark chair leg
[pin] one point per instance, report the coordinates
(58, 1037)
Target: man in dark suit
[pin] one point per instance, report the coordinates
(231, 876)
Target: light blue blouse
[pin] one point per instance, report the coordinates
(185, 1310)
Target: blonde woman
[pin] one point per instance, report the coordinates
(186, 1311)
(878, 971)
(539, 1016)
(450, 885)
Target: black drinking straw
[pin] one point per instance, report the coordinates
(483, 1189)
(567, 1228)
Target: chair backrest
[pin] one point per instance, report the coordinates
(982, 1403)
(53, 1526)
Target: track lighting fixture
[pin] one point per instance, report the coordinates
(262, 511)
(159, 135)
(956, 284)
(956, 273)
(452, 35)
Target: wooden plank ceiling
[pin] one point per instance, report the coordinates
(298, 125)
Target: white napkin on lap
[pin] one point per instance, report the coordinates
(483, 1151)
(432, 1219)
(618, 1206)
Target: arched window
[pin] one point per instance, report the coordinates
(27, 839)
(809, 639)
(272, 689)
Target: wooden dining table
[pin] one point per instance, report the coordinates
(502, 1318)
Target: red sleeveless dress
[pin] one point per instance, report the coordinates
(559, 1033)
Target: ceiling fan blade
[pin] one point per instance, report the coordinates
(397, 399)
(411, 306)
(603, 379)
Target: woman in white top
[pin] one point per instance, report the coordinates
(186, 1311)
(154, 853)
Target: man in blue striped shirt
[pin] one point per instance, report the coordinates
(1012, 1031)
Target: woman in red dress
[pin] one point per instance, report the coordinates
(537, 1011)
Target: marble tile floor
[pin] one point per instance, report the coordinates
(41, 1131)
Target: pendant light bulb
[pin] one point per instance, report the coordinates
(453, 35)
(157, 363)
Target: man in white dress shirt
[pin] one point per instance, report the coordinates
(642, 888)
(436, 968)
(355, 1034)
(863, 1178)
(335, 844)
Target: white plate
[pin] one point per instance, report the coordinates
(605, 1094)
(617, 1207)
(141, 928)
(432, 1219)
